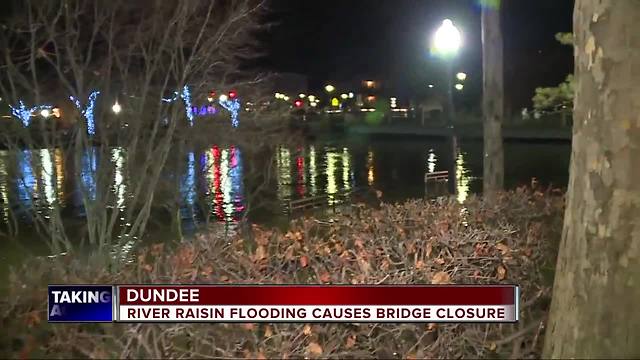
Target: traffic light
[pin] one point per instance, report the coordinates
(232, 94)
(298, 103)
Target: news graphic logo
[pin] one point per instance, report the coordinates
(81, 303)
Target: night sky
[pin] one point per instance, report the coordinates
(344, 40)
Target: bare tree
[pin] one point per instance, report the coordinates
(150, 57)
(595, 292)
(493, 99)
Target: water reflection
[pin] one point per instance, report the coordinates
(88, 172)
(283, 161)
(431, 161)
(332, 186)
(4, 188)
(462, 179)
(370, 171)
(47, 175)
(223, 170)
(210, 182)
(59, 164)
(313, 172)
(25, 181)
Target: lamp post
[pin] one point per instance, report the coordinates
(446, 43)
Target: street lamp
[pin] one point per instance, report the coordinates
(116, 108)
(459, 87)
(461, 76)
(446, 43)
(447, 39)
(329, 88)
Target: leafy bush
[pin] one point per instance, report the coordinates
(418, 242)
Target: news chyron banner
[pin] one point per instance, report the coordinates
(283, 303)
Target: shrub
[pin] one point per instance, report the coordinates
(418, 242)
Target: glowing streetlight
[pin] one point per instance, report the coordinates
(344, 96)
(329, 88)
(45, 113)
(461, 76)
(224, 97)
(351, 95)
(430, 86)
(116, 108)
(459, 87)
(302, 96)
(312, 98)
(447, 39)
(285, 98)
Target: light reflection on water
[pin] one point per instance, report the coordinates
(211, 181)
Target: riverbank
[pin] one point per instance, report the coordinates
(515, 134)
(513, 241)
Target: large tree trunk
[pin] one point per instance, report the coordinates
(594, 312)
(493, 101)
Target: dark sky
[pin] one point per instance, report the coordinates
(345, 40)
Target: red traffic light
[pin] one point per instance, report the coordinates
(212, 94)
(232, 94)
(298, 103)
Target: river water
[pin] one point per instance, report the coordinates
(216, 177)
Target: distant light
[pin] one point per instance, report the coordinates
(344, 96)
(302, 96)
(351, 95)
(298, 103)
(393, 102)
(209, 99)
(371, 98)
(335, 102)
(370, 84)
(314, 104)
(459, 86)
(285, 98)
(431, 86)
(312, 98)
(447, 39)
(223, 97)
(278, 95)
(232, 94)
(116, 108)
(56, 112)
(329, 88)
(45, 113)
(461, 76)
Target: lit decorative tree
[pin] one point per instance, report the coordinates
(88, 111)
(23, 113)
(233, 106)
(185, 95)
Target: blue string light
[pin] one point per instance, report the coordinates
(185, 95)
(88, 111)
(186, 98)
(24, 114)
(233, 106)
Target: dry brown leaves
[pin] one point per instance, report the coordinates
(416, 242)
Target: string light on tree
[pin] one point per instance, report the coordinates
(24, 114)
(232, 105)
(185, 95)
(88, 111)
